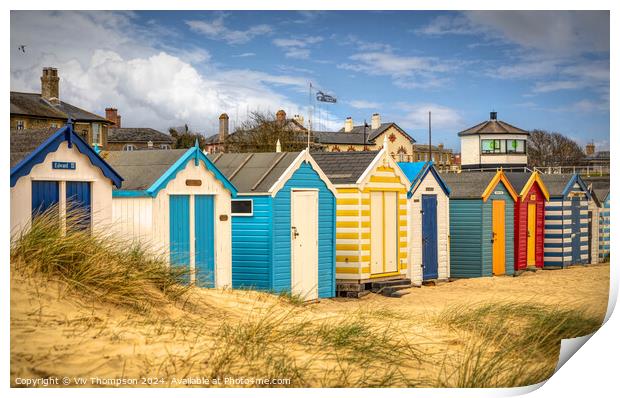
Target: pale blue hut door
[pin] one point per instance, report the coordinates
(204, 234)
(429, 236)
(179, 233)
(304, 243)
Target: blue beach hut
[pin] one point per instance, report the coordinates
(283, 223)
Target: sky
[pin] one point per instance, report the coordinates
(538, 69)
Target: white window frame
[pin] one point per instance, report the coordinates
(250, 214)
(20, 125)
(129, 147)
(164, 146)
(97, 139)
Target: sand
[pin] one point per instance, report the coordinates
(56, 335)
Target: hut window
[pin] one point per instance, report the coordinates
(242, 207)
(129, 147)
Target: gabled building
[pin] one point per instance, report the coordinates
(493, 144)
(45, 110)
(134, 138)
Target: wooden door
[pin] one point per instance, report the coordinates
(179, 233)
(204, 239)
(390, 203)
(531, 234)
(304, 243)
(376, 232)
(499, 237)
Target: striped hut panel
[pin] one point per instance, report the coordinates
(604, 229)
(349, 233)
(584, 238)
(557, 246)
(594, 241)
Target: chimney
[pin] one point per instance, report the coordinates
(223, 132)
(112, 115)
(299, 119)
(493, 115)
(590, 149)
(375, 122)
(348, 125)
(281, 116)
(50, 84)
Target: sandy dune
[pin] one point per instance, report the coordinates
(54, 334)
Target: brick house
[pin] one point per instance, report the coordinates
(134, 138)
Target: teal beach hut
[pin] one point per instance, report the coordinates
(481, 224)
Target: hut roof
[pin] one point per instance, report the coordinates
(141, 169)
(468, 185)
(344, 167)
(522, 181)
(253, 172)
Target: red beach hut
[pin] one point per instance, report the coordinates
(529, 219)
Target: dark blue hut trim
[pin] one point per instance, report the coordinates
(576, 178)
(51, 144)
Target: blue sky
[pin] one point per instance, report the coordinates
(546, 70)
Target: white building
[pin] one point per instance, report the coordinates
(493, 144)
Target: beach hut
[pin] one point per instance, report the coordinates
(529, 235)
(429, 222)
(283, 223)
(566, 220)
(178, 203)
(58, 168)
(481, 224)
(603, 227)
(371, 241)
(594, 226)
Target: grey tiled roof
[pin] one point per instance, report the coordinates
(138, 134)
(32, 104)
(493, 127)
(344, 167)
(140, 169)
(332, 137)
(467, 185)
(253, 172)
(600, 187)
(27, 140)
(556, 183)
(518, 180)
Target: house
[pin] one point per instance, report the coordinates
(177, 203)
(371, 219)
(566, 220)
(58, 168)
(134, 138)
(216, 143)
(529, 220)
(283, 223)
(45, 110)
(368, 137)
(481, 224)
(428, 204)
(493, 144)
(442, 157)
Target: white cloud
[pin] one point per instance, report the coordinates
(362, 104)
(297, 47)
(150, 87)
(443, 117)
(216, 30)
(244, 55)
(406, 72)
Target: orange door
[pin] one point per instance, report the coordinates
(499, 237)
(531, 234)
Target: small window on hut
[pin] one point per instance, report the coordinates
(242, 207)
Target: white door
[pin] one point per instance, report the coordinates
(376, 232)
(304, 243)
(390, 200)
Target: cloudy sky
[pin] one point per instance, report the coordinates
(546, 70)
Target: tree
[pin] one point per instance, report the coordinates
(261, 132)
(184, 138)
(552, 149)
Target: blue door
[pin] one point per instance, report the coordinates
(204, 230)
(575, 211)
(44, 195)
(78, 203)
(179, 233)
(429, 237)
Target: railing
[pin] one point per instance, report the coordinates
(588, 171)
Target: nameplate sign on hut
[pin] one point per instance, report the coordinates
(193, 183)
(430, 189)
(498, 192)
(63, 165)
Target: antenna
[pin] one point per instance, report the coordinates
(430, 147)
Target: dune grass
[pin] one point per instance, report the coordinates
(101, 266)
(508, 344)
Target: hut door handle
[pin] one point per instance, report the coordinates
(295, 233)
